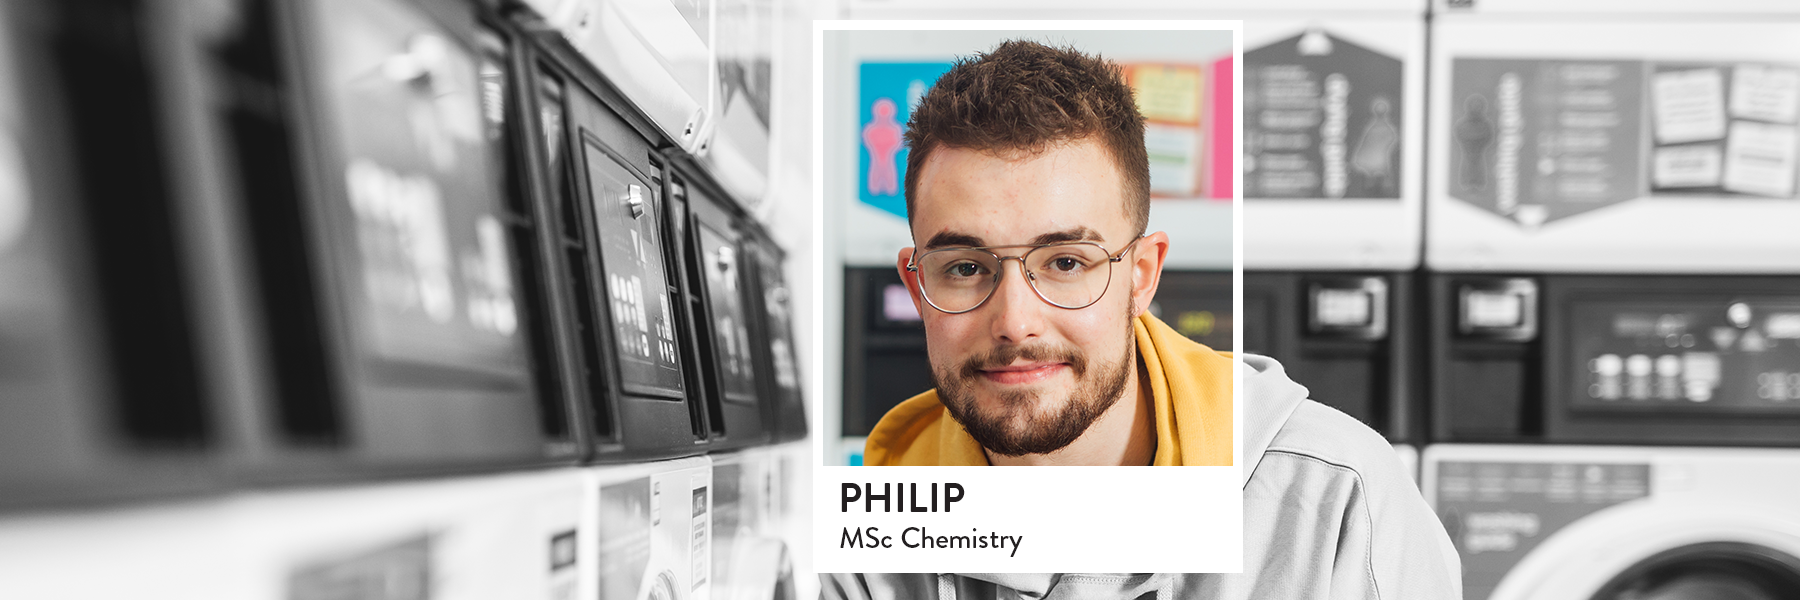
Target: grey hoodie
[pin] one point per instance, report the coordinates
(1328, 514)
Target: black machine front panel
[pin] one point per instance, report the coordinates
(1623, 359)
(780, 362)
(1347, 337)
(715, 264)
(639, 298)
(1485, 371)
(380, 218)
(885, 360)
(719, 261)
(636, 352)
(1197, 304)
(102, 386)
(1673, 359)
(1737, 355)
(431, 269)
(529, 227)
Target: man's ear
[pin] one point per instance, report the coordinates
(1146, 269)
(911, 278)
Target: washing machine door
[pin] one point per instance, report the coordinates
(1709, 571)
(1712, 550)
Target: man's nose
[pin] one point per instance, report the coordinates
(1017, 313)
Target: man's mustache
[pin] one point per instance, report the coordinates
(1006, 355)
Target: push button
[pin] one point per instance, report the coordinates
(1499, 309)
(1349, 307)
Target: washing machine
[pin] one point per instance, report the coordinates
(1619, 522)
(512, 535)
(1605, 200)
(635, 364)
(1333, 129)
(653, 533)
(1608, 255)
(707, 231)
(751, 559)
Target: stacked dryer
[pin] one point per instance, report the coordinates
(1333, 121)
(1615, 298)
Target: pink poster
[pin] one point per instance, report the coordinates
(1220, 156)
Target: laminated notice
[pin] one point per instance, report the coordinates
(1689, 105)
(1687, 166)
(1760, 158)
(1765, 93)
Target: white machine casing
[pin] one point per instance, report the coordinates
(1642, 230)
(652, 530)
(505, 536)
(657, 54)
(1693, 496)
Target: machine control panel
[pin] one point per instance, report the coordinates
(1737, 354)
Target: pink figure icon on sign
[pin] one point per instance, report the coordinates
(882, 136)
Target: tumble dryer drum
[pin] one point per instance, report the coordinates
(781, 363)
(100, 369)
(376, 206)
(718, 283)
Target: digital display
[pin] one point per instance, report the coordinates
(432, 269)
(1723, 355)
(722, 263)
(1342, 308)
(637, 289)
(1494, 309)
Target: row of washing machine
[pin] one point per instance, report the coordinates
(724, 526)
(1548, 248)
(1588, 347)
(266, 242)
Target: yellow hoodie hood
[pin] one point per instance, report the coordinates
(1190, 386)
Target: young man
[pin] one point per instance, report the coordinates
(1028, 193)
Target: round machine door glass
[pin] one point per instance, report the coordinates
(1710, 571)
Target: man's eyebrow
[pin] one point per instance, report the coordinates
(952, 238)
(1078, 234)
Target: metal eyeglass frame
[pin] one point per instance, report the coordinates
(912, 265)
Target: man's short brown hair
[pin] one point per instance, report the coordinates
(1023, 97)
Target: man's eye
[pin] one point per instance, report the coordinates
(1066, 263)
(965, 270)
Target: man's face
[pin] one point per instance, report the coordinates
(1025, 377)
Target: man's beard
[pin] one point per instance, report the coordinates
(1017, 427)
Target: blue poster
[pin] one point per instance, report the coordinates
(889, 91)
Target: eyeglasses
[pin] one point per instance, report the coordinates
(1071, 275)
